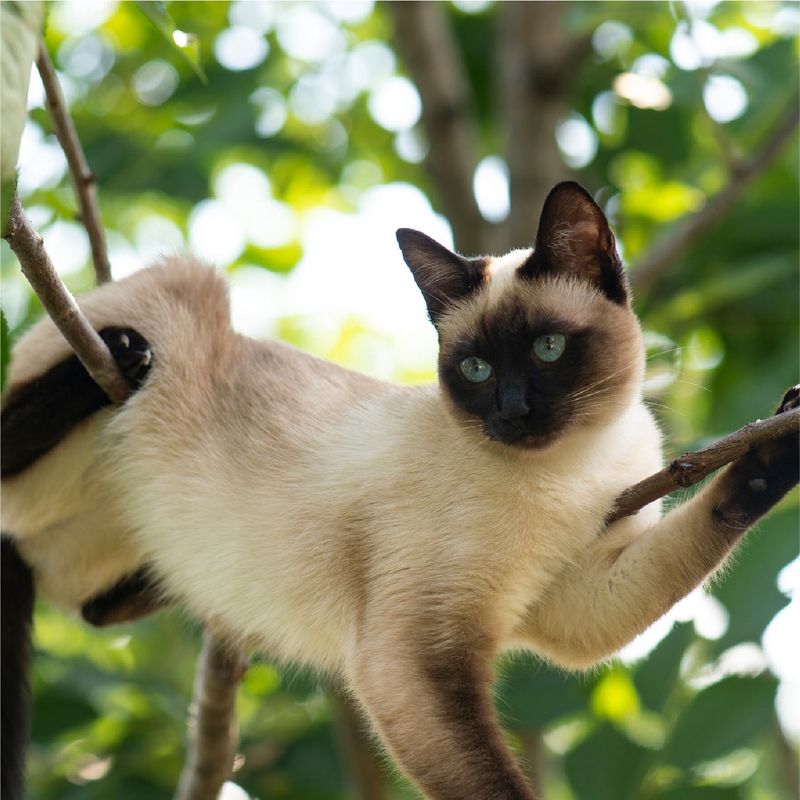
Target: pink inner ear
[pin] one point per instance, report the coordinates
(581, 243)
(585, 237)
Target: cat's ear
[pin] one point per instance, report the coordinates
(574, 239)
(442, 276)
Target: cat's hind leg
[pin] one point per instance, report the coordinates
(37, 415)
(430, 699)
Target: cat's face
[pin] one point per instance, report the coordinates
(539, 342)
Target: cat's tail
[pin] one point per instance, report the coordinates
(16, 613)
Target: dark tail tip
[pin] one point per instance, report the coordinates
(16, 613)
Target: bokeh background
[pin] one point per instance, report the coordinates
(285, 142)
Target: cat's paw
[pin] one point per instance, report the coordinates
(132, 597)
(784, 453)
(131, 351)
(756, 481)
(791, 399)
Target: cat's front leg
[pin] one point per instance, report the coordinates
(635, 572)
(428, 693)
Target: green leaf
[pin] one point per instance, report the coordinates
(276, 259)
(700, 793)
(313, 765)
(657, 675)
(182, 42)
(20, 28)
(748, 590)
(607, 766)
(721, 718)
(57, 710)
(748, 280)
(532, 694)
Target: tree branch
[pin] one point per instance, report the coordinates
(537, 61)
(213, 734)
(690, 468)
(211, 752)
(61, 306)
(425, 42)
(669, 248)
(82, 177)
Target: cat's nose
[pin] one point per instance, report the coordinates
(512, 405)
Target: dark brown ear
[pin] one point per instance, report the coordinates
(443, 277)
(574, 239)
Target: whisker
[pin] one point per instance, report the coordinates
(692, 383)
(665, 352)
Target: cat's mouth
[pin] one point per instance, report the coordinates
(527, 441)
(514, 436)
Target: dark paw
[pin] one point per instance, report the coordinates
(759, 479)
(790, 400)
(133, 597)
(131, 351)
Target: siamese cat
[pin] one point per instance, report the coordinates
(398, 537)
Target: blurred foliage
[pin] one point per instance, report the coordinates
(696, 718)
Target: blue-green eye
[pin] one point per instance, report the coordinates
(549, 347)
(475, 369)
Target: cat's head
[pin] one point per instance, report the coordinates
(537, 342)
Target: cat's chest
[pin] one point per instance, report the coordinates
(545, 526)
(548, 519)
(551, 500)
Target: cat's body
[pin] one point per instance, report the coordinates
(323, 474)
(398, 537)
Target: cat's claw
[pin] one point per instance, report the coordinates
(131, 351)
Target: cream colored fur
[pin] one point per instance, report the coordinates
(343, 522)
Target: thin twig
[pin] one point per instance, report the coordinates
(37, 267)
(665, 251)
(690, 468)
(213, 727)
(82, 177)
(426, 44)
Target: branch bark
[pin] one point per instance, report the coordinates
(670, 247)
(83, 181)
(60, 304)
(690, 468)
(213, 734)
(536, 63)
(425, 42)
